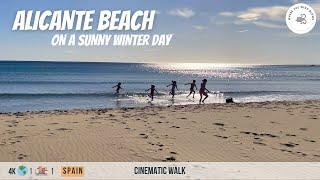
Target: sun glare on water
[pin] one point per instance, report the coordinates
(215, 70)
(198, 66)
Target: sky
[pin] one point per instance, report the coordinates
(206, 31)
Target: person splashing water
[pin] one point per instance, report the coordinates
(118, 86)
(152, 90)
(203, 91)
(173, 88)
(192, 86)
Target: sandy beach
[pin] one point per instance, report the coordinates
(267, 131)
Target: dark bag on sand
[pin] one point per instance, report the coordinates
(229, 100)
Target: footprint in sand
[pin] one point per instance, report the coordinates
(310, 140)
(257, 134)
(259, 143)
(30, 125)
(19, 137)
(170, 158)
(285, 150)
(50, 134)
(143, 135)
(219, 124)
(289, 144)
(313, 117)
(63, 129)
(269, 135)
(300, 153)
(21, 156)
(224, 137)
(273, 122)
(160, 145)
(245, 132)
(175, 127)
(95, 122)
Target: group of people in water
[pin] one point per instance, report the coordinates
(203, 91)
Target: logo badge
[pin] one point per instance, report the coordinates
(301, 18)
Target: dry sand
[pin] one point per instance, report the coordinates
(269, 131)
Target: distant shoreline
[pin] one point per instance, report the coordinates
(158, 106)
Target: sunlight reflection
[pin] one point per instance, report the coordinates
(209, 70)
(199, 66)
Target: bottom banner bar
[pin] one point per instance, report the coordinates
(160, 170)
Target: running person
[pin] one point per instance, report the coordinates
(192, 86)
(203, 91)
(118, 86)
(152, 90)
(173, 88)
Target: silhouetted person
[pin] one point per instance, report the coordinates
(173, 88)
(203, 90)
(118, 86)
(192, 87)
(152, 90)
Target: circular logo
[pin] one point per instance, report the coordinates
(22, 170)
(301, 18)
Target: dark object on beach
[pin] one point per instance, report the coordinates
(171, 158)
(229, 100)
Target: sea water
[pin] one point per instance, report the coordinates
(35, 86)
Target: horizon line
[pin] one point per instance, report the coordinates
(79, 61)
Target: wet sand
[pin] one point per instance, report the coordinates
(267, 131)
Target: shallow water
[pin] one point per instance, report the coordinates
(31, 86)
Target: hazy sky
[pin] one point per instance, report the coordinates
(216, 31)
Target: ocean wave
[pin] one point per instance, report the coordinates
(94, 94)
(69, 82)
(256, 92)
(134, 94)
